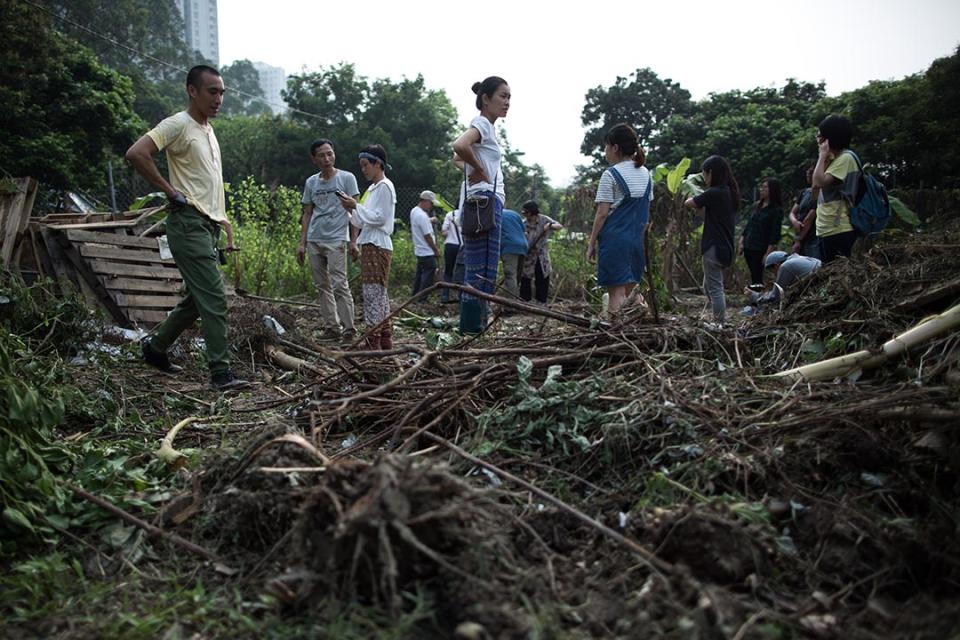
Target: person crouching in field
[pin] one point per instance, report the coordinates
(719, 202)
(623, 209)
(787, 270)
(375, 218)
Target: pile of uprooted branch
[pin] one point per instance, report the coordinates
(630, 474)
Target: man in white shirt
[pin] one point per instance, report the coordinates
(451, 249)
(424, 244)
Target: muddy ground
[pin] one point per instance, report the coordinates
(550, 480)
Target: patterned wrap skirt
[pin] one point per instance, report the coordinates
(481, 255)
(375, 276)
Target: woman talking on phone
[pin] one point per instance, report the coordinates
(375, 219)
(479, 152)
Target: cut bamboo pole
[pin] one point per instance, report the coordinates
(926, 330)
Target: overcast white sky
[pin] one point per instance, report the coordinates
(551, 53)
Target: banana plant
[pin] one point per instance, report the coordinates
(681, 187)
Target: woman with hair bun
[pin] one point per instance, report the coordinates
(479, 152)
(375, 219)
(623, 210)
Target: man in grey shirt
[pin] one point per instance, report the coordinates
(787, 269)
(324, 233)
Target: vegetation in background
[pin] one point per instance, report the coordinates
(62, 113)
(906, 129)
(242, 76)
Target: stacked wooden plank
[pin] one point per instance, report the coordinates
(141, 284)
(16, 203)
(112, 259)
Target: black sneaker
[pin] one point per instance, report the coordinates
(226, 381)
(157, 359)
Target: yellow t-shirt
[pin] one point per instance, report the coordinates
(193, 157)
(833, 212)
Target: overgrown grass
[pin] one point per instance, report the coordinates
(57, 595)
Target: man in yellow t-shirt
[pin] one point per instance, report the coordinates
(837, 176)
(196, 211)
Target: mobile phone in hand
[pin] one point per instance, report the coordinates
(340, 194)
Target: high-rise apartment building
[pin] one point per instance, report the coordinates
(272, 81)
(200, 27)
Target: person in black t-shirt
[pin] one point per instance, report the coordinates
(761, 235)
(719, 203)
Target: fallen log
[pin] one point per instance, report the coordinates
(291, 363)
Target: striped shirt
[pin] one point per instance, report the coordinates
(636, 178)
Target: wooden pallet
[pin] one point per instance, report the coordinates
(126, 272)
(15, 208)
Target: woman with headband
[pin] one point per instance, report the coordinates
(479, 151)
(375, 219)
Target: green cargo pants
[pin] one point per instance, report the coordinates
(193, 242)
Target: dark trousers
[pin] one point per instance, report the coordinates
(811, 248)
(193, 243)
(840, 244)
(426, 273)
(450, 252)
(540, 280)
(754, 260)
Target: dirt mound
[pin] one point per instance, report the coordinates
(372, 531)
(248, 330)
(248, 506)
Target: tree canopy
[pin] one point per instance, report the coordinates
(62, 113)
(242, 81)
(643, 100)
(907, 130)
(145, 44)
(415, 124)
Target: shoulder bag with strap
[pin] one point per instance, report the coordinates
(477, 216)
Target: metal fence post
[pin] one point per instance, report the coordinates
(113, 191)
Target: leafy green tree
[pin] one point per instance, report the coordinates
(271, 149)
(643, 101)
(244, 94)
(145, 35)
(414, 123)
(335, 97)
(941, 127)
(908, 129)
(62, 113)
(763, 132)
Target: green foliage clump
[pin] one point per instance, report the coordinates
(558, 416)
(62, 113)
(30, 407)
(267, 230)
